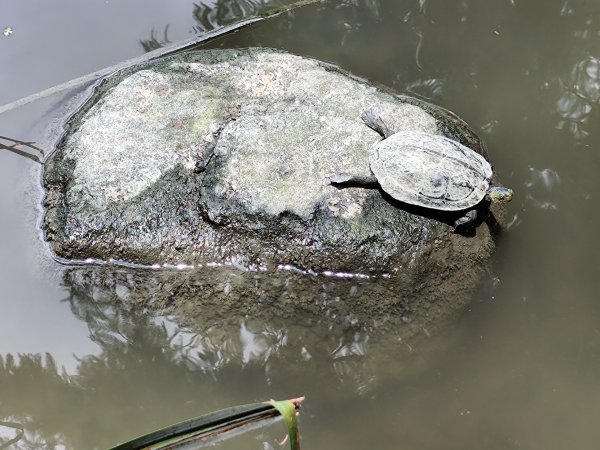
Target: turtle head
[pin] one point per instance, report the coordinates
(499, 194)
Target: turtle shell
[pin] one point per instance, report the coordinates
(430, 170)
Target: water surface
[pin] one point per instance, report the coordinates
(518, 369)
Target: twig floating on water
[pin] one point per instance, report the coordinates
(16, 145)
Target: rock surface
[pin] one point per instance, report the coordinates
(127, 181)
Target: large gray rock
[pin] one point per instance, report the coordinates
(123, 183)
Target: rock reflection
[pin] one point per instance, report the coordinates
(172, 348)
(201, 330)
(264, 322)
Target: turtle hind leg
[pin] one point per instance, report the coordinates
(465, 221)
(372, 118)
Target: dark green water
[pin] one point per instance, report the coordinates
(518, 369)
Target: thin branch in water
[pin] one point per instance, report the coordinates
(94, 77)
(17, 438)
(16, 145)
(18, 142)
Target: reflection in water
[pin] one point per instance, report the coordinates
(53, 397)
(151, 367)
(581, 91)
(141, 376)
(211, 14)
(153, 43)
(540, 186)
(31, 389)
(525, 373)
(428, 88)
(118, 306)
(587, 79)
(581, 95)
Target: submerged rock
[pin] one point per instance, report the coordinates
(222, 156)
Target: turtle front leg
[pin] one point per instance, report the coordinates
(342, 180)
(469, 218)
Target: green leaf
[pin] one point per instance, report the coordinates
(287, 409)
(208, 425)
(218, 423)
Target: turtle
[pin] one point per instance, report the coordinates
(427, 170)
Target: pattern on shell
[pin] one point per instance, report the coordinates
(430, 170)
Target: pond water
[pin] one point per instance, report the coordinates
(518, 369)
